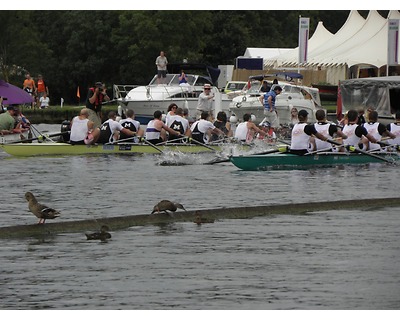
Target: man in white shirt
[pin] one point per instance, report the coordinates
(205, 102)
(161, 63)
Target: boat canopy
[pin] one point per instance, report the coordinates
(380, 93)
(288, 76)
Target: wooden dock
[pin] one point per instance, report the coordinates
(123, 222)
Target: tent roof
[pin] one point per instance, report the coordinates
(265, 53)
(321, 35)
(359, 41)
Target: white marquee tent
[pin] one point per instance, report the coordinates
(359, 41)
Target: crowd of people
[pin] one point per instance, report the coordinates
(39, 91)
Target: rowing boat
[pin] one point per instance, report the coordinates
(39, 149)
(288, 161)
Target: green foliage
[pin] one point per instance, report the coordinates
(78, 48)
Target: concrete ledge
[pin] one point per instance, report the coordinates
(123, 222)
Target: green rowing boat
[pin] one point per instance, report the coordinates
(40, 149)
(288, 161)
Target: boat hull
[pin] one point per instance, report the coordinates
(286, 161)
(39, 149)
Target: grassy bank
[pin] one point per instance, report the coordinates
(56, 114)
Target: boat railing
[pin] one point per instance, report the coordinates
(121, 90)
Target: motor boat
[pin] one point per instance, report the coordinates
(292, 96)
(147, 99)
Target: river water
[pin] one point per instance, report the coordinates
(326, 260)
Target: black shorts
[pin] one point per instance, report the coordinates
(161, 73)
(78, 142)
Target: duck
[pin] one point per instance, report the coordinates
(103, 235)
(199, 219)
(165, 205)
(41, 211)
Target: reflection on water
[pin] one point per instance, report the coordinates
(322, 260)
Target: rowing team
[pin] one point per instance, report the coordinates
(176, 129)
(318, 137)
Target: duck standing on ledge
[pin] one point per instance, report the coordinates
(165, 205)
(39, 210)
(103, 235)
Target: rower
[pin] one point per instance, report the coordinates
(357, 135)
(301, 133)
(377, 130)
(327, 129)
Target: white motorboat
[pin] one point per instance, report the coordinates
(292, 96)
(145, 100)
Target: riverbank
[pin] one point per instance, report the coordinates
(57, 114)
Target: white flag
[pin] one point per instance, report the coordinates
(304, 26)
(393, 41)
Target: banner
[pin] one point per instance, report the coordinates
(304, 26)
(78, 94)
(393, 41)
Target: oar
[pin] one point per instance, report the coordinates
(152, 145)
(322, 150)
(41, 134)
(354, 149)
(39, 137)
(202, 144)
(220, 160)
(171, 141)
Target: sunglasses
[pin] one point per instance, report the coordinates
(207, 89)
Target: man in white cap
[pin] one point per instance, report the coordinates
(205, 102)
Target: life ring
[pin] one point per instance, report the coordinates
(244, 98)
(238, 104)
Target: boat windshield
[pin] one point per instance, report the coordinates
(173, 79)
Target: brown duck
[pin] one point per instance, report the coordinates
(166, 205)
(103, 235)
(39, 210)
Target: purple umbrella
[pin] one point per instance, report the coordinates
(13, 94)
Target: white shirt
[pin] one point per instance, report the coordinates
(204, 103)
(44, 102)
(79, 129)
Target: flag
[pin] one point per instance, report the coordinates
(304, 25)
(78, 93)
(393, 41)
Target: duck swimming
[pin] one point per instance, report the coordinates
(41, 211)
(103, 235)
(165, 205)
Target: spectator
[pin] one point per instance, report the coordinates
(161, 63)
(94, 102)
(42, 89)
(205, 102)
(44, 101)
(30, 87)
